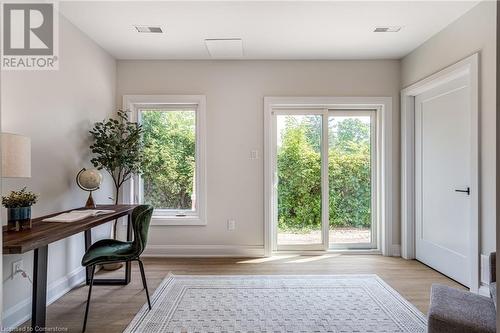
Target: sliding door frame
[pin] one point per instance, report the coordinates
(383, 106)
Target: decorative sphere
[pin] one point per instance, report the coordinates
(89, 179)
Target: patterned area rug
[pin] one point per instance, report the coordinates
(277, 303)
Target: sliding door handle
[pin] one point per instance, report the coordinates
(464, 191)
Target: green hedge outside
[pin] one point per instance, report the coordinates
(299, 174)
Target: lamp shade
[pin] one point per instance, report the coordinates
(16, 155)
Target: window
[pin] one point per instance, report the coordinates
(168, 179)
(173, 178)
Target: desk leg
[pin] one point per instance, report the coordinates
(39, 304)
(88, 242)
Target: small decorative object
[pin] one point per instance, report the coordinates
(18, 204)
(89, 180)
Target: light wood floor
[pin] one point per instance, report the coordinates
(113, 307)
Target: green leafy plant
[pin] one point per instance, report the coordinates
(17, 199)
(118, 148)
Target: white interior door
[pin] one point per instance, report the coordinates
(443, 170)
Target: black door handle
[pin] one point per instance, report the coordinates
(464, 191)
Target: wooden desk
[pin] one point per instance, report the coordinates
(42, 234)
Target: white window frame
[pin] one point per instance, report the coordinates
(383, 107)
(132, 192)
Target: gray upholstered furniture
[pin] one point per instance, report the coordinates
(457, 311)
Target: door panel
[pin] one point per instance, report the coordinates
(352, 179)
(299, 165)
(443, 165)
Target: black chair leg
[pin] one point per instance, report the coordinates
(88, 298)
(144, 283)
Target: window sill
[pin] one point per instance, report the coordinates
(188, 220)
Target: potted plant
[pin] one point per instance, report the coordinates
(118, 149)
(18, 204)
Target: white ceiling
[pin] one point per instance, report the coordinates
(269, 30)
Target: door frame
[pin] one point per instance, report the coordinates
(467, 67)
(383, 105)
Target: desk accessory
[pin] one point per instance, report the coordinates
(89, 180)
(18, 204)
(77, 215)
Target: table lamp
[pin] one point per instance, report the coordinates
(16, 155)
(16, 163)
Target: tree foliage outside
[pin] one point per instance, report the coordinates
(299, 173)
(299, 176)
(169, 165)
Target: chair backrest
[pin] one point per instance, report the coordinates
(141, 217)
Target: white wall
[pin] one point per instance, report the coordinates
(473, 32)
(56, 109)
(235, 92)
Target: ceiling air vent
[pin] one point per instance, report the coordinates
(387, 29)
(148, 29)
(224, 48)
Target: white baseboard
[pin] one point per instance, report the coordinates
(238, 251)
(204, 251)
(395, 251)
(21, 312)
(485, 269)
(484, 290)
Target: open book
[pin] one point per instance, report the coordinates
(77, 215)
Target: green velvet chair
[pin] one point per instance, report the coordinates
(107, 251)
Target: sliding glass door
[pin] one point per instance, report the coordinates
(299, 168)
(324, 179)
(351, 179)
